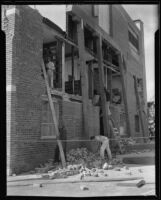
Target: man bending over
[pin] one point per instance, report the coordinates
(105, 145)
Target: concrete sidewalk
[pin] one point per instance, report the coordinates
(132, 156)
(61, 187)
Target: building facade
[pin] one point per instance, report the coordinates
(30, 38)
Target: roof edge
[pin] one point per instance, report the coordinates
(53, 25)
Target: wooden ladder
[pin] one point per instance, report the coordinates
(54, 116)
(139, 107)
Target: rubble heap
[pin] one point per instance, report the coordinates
(79, 161)
(127, 141)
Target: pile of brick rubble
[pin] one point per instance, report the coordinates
(79, 161)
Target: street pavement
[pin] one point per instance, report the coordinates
(59, 187)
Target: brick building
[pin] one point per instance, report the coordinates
(29, 36)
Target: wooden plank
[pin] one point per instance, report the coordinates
(72, 57)
(110, 80)
(101, 81)
(110, 84)
(59, 67)
(84, 76)
(124, 93)
(139, 107)
(90, 79)
(61, 38)
(63, 67)
(54, 116)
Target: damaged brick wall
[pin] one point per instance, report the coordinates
(8, 24)
(25, 148)
(24, 52)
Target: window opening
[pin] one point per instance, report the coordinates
(90, 41)
(72, 71)
(52, 52)
(72, 29)
(109, 54)
(134, 39)
(137, 125)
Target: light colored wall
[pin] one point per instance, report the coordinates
(104, 18)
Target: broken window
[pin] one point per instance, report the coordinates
(137, 125)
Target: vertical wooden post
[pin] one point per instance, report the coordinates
(84, 76)
(124, 93)
(110, 84)
(142, 57)
(54, 117)
(90, 79)
(105, 75)
(59, 67)
(72, 54)
(63, 67)
(110, 79)
(139, 108)
(101, 82)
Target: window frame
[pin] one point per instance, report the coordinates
(45, 101)
(133, 47)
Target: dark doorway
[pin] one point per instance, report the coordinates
(101, 123)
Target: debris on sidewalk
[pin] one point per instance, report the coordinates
(37, 185)
(117, 169)
(129, 173)
(140, 183)
(140, 170)
(79, 161)
(105, 166)
(83, 187)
